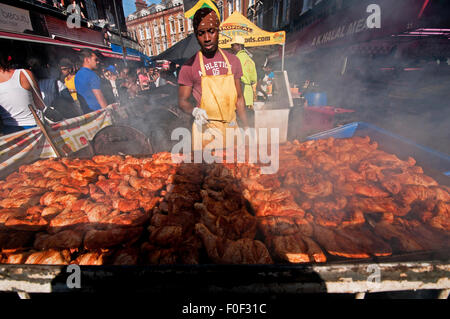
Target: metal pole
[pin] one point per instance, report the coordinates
(44, 131)
(120, 34)
(282, 60)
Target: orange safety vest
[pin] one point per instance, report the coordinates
(219, 97)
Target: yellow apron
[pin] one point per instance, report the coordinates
(219, 97)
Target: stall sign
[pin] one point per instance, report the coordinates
(14, 19)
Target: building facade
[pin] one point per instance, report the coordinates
(159, 26)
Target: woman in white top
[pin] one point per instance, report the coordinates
(16, 94)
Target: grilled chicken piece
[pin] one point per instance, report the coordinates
(426, 237)
(26, 191)
(317, 188)
(49, 257)
(125, 205)
(16, 240)
(17, 202)
(97, 239)
(16, 258)
(242, 251)
(6, 213)
(94, 258)
(338, 203)
(67, 219)
(108, 186)
(109, 160)
(441, 218)
(366, 239)
(125, 219)
(329, 218)
(410, 193)
(146, 183)
(223, 207)
(296, 248)
(168, 235)
(338, 245)
(279, 225)
(32, 221)
(126, 256)
(398, 236)
(284, 208)
(66, 239)
(290, 248)
(67, 200)
(239, 224)
(360, 188)
(96, 212)
(377, 205)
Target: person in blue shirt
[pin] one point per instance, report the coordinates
(88, 84)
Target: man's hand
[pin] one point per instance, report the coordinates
(200, 115)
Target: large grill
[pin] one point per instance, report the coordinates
(411, 271)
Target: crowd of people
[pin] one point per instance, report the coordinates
(70, 88)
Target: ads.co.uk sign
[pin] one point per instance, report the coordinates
(14, 19)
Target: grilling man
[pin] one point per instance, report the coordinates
(212, 76)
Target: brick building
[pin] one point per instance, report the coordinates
(159, 26)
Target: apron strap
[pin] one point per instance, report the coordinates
(226, 60)
(202, 66)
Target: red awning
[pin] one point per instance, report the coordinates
(45, 40)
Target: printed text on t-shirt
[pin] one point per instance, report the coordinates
(215, 66)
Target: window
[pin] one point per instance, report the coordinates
(180, 25)
(230, 8)
(275, 14)
(147, 31)
(172, 27)
(165, 45)
(141, 34)
(286, 5)
(259, 14)
(307, 5)
(190, 28)
(237, 5)
(156, 30)
(163, 28)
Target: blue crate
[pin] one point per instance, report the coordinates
(391, 143)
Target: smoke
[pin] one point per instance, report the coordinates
(397, 83)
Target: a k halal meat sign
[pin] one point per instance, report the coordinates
(14, 19)
(372, 21)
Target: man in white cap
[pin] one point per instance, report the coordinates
(249, 77)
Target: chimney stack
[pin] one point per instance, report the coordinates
(140, 4)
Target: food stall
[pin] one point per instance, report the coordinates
(353, 210)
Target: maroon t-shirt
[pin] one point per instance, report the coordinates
(190, 73)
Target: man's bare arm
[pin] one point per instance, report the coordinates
(240, 104)
(184, 93)
(100, 98)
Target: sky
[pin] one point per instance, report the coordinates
(129, 6)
